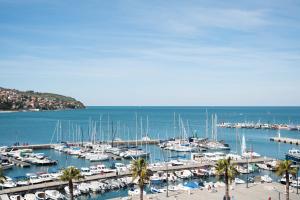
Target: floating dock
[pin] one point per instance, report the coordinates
(17, 162)
(115, 143)
(286, 140)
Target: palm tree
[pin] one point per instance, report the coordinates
(2, 177)
(141, 172)
(226, 169)
(70, 174)
(285, 168)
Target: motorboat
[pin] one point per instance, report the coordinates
(104, 169)
(34, 179)
(83, 187)
(8, 183)
(94, 186)
(283, 179)
(29, 196)
(176, 163)
(215, 156)
(133, 192)
(16, 197)
(54, 194)
(184, 174)
(22, 180)
(266, 179)
(85, 171)
(76, 191)
(46, 177)
(97, 157)
(294, 155)
(40, 195)
(191, 185)
(156, 190)
(250, 154)
(242, 170)
(234, 157)
(120, 167)
(158, 178)
(200, 172)
(239, 181)
(94, 170)
(134, 153)
(296, 183)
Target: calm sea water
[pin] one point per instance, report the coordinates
(38, 127)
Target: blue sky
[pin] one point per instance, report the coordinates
(153, 52)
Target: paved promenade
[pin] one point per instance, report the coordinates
(260, 191)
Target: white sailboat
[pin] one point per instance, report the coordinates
(245, 153)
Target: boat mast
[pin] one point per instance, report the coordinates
(216, 130)
(206, 125)
(108, 125)
(174, 127)
(212, 127)
(136, 129)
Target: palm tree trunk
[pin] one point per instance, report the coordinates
(287, 185)
(141, 192)
(71, 190)
(227, 185)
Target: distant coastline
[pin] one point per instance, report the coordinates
(12, 100)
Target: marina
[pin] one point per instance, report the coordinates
(103, 151)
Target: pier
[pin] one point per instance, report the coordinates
(115, 143)
(60, 184)
(286, 140)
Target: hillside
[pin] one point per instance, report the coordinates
(11, 99)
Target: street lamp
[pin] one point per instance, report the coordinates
(297, 167)
(247, 172)
(277, 191)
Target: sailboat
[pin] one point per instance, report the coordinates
(245, 153)
(214, 144)
(135, 153)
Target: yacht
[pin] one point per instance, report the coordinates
(29, 196)
(40, 195)
(158, 178)
(266, 179)
(85, 171)
(83, 188)
(34, 179)
(214, 156)
(242, 170)
(239, 181)
(54, 194)
(104, 169)
(283, 179)
(94, 170)
(294, 155)
(156, 190)
(22, 180)
(8, 183)
(183, 174)
(133, 192)
(16, 197)
(296, 183)
(134, 153)
(76, 191)
(120, 167)
(94, 186)
(95, 157)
